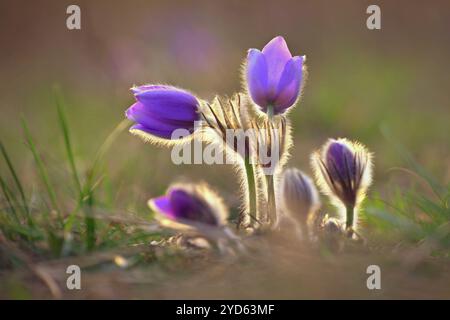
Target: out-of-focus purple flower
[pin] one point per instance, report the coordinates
(274, 77)
(180, 205)
(299, 196)
(193, 48)
(190, 204)
(160, 109)
(344, 171)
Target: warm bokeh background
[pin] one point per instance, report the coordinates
(360, 83)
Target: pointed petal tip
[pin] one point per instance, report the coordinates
(277, 43)
(160, 204)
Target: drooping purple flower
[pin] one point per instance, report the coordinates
(274, 77)
(160, 109)
(344, 172)
(191, 205)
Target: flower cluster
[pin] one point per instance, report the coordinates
(272, 84)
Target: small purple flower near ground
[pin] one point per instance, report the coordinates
(196, 207)
(191, 204)
(274, 77)
(180, 205)
(160, 109)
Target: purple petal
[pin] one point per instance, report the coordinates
(277, 54)
(289, 86)
(165, 134)
(189, 207)
(340, 161)
(140, 114)
(170, 103)
(257, 77)
(148, 87)
(162, 205)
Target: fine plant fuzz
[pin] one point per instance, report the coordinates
(253, 129)
(343, 171)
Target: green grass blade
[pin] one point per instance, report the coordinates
(104, 148)
(437, 188)
(67, 143)
(40, 166)
(9, 199)
(91, 184)
(17, 182)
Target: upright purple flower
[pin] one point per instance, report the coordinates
(274, 77)
(160, 109)
(344, 172)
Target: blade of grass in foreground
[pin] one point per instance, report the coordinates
(9, 199)
(41, 167)
(18, 184)
(67, 143)
(102, 151)
(90, 185)
(84, 201)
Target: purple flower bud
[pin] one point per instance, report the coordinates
(159, 110)
(299, 196)
(344, 172)
(193, 205)
(274, 77)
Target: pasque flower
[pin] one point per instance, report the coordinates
(299, 196)
(344, 171)
(299, 200)
(194, 205)
(274, 76)
(160, 109)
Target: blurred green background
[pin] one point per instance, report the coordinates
(360, 81)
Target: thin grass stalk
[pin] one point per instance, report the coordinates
(9, 199)
(67, 142)
(41, 169)
(18, 184)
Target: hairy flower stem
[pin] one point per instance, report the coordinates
(349, 220)
(250, 211)
(271, 205)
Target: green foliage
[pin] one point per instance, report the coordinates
(65, 229)
(417, 215)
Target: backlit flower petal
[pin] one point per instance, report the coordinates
(165, 134)
(142, 115)
(162, 205)
(289, 86)
(277, 55)
(257, 77)
(170, 103)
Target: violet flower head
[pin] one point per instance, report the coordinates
(343, 172)
(274, 76)
(192, 205)
(299, 197)
(159, 110)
